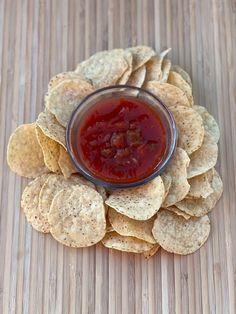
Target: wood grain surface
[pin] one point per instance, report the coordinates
(39, 38)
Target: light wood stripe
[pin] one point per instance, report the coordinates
(41, 38)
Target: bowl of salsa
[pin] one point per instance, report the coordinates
(121, 136)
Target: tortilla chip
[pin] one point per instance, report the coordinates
(65, 97)
(104, 68)
(204, 158)
(126, 75)
(60, 77)
(24, 154)
(30, 202)
(50, 150)
(53, 185)
(137, 77)
(109, 227)
(201, 206)
(153, 67)
(209, 122)
(177, 169)
(151, 252)
(200, 186)
(178, 212)
(140, 203)
(116, 241)
(141, 55)
(51, 128)
(190, 128)
(176, 79)
(178, 235)
(65, 163)
(126, 226)
(77, 216)
(169, 94)
(183, 73)
(166, 178)
(165, 68)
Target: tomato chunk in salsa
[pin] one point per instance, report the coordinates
(121, 140)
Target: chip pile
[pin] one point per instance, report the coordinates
(169, 211)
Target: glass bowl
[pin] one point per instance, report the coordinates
(120, 91)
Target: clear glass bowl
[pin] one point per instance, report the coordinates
(120, 91)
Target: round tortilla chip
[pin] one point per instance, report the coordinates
(165, 69)
(30, 202)
(200, 186)
(137, 77)
(209, 122)
(126, 75)
(178, 212)
(166, 178)
(178, 235)
(140, 203)
(154, 65)
(126, 226)
(177, 169)
(65, 163)
(176, 79)
(51, 128)
(116, 241)
(183, 73)
(50, 149)
(141, 55)
(190, 128)
(204, 158)
(151, 252)
(24, 154)
(201, 206)
(53, 185)
(60, 77)
(104, 68)
(169, 94)
(64, 98)
(77, 216)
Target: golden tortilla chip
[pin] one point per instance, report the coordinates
(126, 75)
(140, 203)
(65, 97)
(177, 169)
(178, 235)
(209, 122)
(30, 202)
(77, 216)
(60, 77)
(169, 94)
(141, 55)
(51, 128)
(200, 186)
(24, 154)
(116, 241)
(126, 226)
(176, 79)
(65, 163)
(137, 77)
(50, 150)
(178, 212)
(153, 66)
(151, 252)
(165, 68)
(204, 158)
(183, 73)
(104, 68)
(53, 185)
(190, 128)
(201, 206)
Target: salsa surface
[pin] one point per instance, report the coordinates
(121, 140)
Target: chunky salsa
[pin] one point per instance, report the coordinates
(121, 140)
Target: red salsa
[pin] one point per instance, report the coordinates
(121, 140)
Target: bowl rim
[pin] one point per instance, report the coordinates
(116, 185)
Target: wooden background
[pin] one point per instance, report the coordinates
(41, 38)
